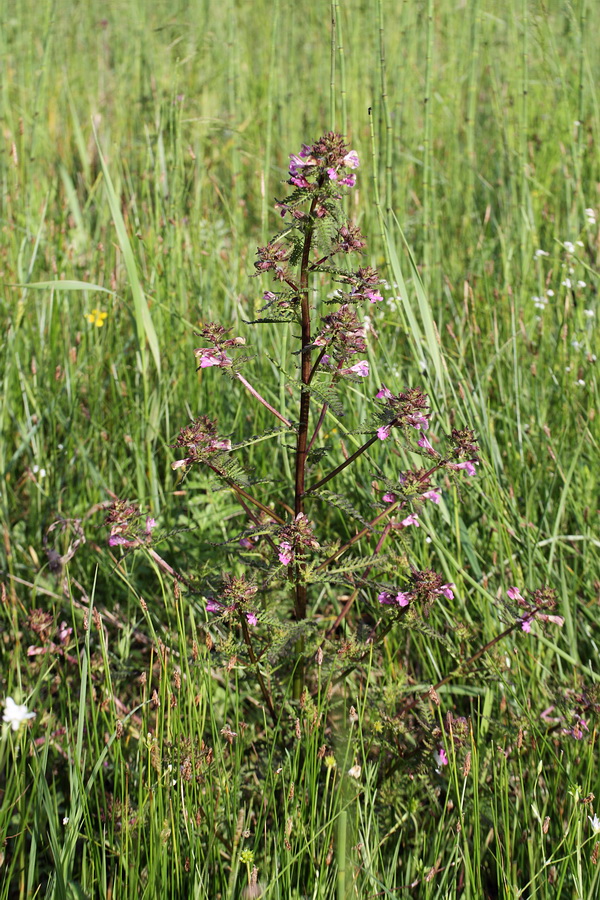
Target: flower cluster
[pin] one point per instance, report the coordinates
(273, 258)
(295, 539)
(216, 355)
(326, 159)
(201, 439)
(424, 587)
(236, 595)
(342, 334)
(408, 409)
(414, 484)
(364, 284)
(541, 599)
(124, 520)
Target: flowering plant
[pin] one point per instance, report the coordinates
(279, 550)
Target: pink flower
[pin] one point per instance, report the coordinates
(117, 539)
(526, 626)
(386, 598)
(513, 593)
(286, 554)
(361, 368)
(467, 466)
(213, 606)
(384, 392)
(432, 495)
(349, 180)
(403, 598)
(389, 498)
(372, 295)
(333, 175)
(299, 181)
(440, 757)
(251, 619)
(412, 519)
(384, 432)
(423, 442)
(419, 422)
(150, 524)
(212, 357)
(351, 160)
(555, 620)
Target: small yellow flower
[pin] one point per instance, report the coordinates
(97, 317)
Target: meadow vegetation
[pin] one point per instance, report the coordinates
(331, 740)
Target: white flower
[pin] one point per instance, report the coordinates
(567, 283)
(355, 771)
(569, 247)
(580, 382)
(589, 313)
(579, 243)
(581, 284)
(539, 253)
(577, 345)
(540, 302)
(595, 823)
(550, 293)
(37, 471)
(14, 715)
(66, 820)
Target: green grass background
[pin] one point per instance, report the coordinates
(142, 147)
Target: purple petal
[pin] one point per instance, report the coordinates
(251, 619)
(384, 432)
(513, 593)
(432, 495)
(389, 498)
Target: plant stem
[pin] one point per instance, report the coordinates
(263, 687)
(262, 400)
(348, 605)
(342, 466)
(382, 515)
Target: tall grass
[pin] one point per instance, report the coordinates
(143, 146)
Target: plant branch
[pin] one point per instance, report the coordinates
(262, 400)
(342, 466)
